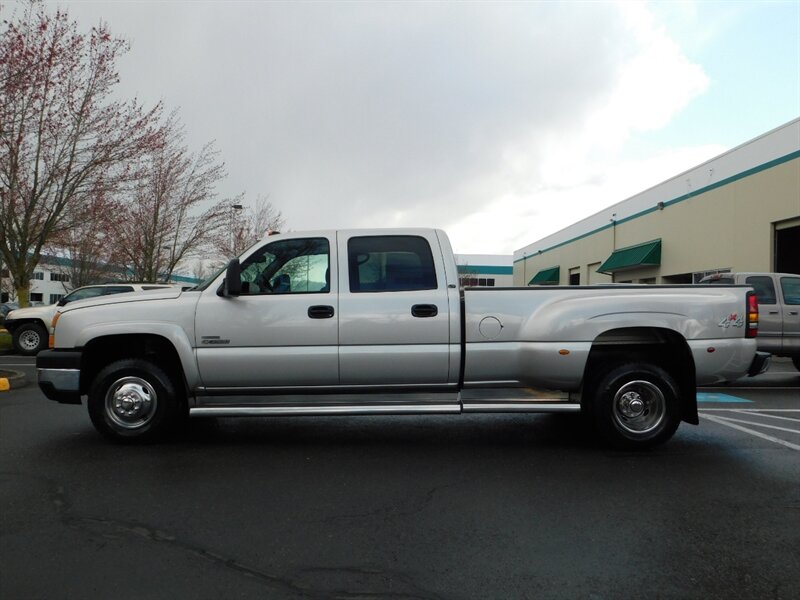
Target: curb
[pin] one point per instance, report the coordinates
(11, 380)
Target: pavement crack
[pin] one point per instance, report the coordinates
(417, 506)
(325, 583)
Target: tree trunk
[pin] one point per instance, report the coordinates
(23, 295)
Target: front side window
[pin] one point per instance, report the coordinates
(392, 263)
(791, 290)
(82, 293)
(298, 266)
(764, 288)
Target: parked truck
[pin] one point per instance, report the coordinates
(373, 322)
(778, 309)
(28, 326)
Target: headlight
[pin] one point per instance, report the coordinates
(52, 340)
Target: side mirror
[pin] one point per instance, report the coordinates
(62, 302)
(232, 285)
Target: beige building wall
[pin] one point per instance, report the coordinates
(730, 224)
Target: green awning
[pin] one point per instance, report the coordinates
(549, 276)
(647, 254)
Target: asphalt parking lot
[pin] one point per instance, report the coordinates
(485, 506)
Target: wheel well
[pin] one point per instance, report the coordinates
(27, 321)
(663, 347)
(103, 351)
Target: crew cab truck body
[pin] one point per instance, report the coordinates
(778, 309)
(373, 322)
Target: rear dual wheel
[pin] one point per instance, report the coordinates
(133, 400)
(636, 406)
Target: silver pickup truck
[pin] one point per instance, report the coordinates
(373, 322)
(778, 309)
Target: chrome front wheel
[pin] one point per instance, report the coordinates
(131, 402)
(135, 400)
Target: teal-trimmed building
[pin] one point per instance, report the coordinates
(739, 211)
(485, 270)
(51, 280)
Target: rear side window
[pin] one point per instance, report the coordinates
(765, 289)
(391, 263)
(117, 289)
(791, 290)
(721, 281)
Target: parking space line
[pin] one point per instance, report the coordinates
(750, 410)
(757, 424)
(722, 421)
(744, 412)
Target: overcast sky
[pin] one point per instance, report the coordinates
(499, 122)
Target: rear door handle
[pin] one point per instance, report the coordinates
(424, 310)
(773, 312)
(321, 311)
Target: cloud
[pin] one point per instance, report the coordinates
(485, 119)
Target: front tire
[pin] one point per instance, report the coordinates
(133, 400)
(636, 406)
(29, 339)
(796, 361)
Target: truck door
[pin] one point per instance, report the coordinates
(790, 294)
(770, 319)
(394, 319)
(282, 330)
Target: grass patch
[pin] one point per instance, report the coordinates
(5, 340)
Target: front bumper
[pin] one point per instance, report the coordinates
(760, 363)
(59, 375)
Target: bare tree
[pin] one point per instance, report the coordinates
(86, 248)
(63, 140)
(248, 225)
(163, 222)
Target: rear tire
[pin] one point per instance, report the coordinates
(29, 339)
(636, 406)
(133, 400)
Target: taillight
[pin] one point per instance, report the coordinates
(752, 315)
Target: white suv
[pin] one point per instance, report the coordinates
(29, 326)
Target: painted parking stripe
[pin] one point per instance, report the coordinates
(758, 434)
(747, 412)
(723, 398)
(757, 424)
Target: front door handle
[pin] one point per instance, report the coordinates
(424, 310)
(793, 313)
(321, 311)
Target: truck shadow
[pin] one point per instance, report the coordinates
(431, 431)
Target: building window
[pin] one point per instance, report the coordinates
(477, 281)
(574, 278)
(59, 277)
(38, 275)
(36, 297)
(4, 297)
(4, 273)
(55, 298)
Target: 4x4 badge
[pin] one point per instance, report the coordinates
(732, 320)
